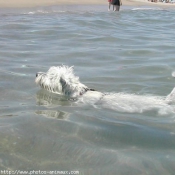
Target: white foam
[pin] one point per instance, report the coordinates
(31, 13)
(146, 8)
(173, 74)
(42, 12)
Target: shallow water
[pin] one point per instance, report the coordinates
(130, 52)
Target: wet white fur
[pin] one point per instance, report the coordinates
(61, 80)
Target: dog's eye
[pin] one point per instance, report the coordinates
(92, 89)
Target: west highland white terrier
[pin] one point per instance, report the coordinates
(61, 80)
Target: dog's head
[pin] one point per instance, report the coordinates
(61, 80)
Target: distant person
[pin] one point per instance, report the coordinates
(110, 1)
(116, 4)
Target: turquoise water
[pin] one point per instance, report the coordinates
(130, 52)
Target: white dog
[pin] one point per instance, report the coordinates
(61, 80)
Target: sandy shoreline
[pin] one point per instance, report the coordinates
(36, 3)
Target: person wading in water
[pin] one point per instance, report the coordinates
(110, 1)
(116, 4)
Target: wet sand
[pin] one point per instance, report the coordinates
(34, 3)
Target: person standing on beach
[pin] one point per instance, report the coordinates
(116, 4)
(110, 1)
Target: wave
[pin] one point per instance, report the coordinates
(43, 12)
(146, 8)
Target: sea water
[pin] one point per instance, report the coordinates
(131, 51)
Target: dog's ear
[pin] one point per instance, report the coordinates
(63, 82)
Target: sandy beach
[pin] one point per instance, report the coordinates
(34, 3)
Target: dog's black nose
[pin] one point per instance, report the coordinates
(36, 74)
